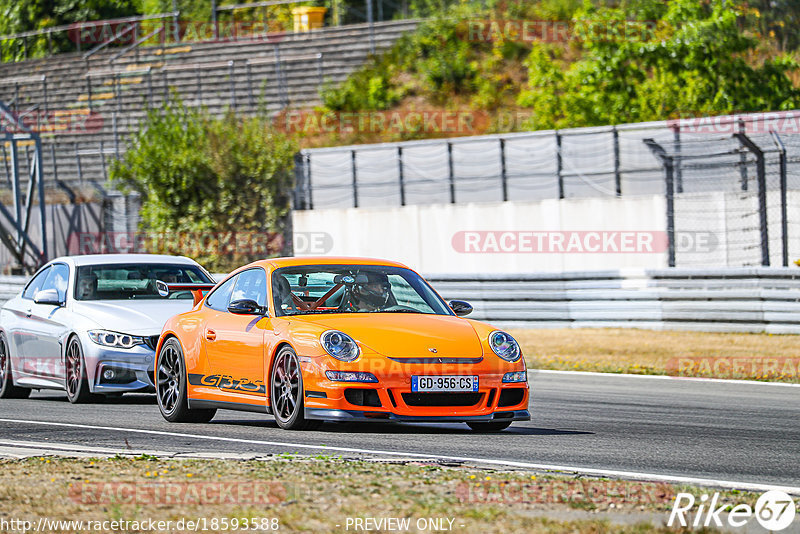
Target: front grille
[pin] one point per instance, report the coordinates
(511, 397)
(362, 397)
(151, 341)
(442, 399)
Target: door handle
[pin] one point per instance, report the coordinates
(211, 335)
(28, 312)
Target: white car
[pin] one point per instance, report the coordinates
(89, 324)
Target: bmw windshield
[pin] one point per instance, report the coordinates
(352, 289)
(132, 281)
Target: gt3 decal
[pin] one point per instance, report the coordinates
(229, 383)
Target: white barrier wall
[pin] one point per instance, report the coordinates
(499, 237)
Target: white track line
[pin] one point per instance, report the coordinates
(663, 377)
(487, 461)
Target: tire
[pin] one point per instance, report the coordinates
(7, 388)
(286, 392)
(76, 381)
(171, 387)
(489, 427)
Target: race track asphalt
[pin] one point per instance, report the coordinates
(739, 432)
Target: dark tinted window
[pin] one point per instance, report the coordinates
(132, 281)
(252, 285)
(220, 297)
(36, 284)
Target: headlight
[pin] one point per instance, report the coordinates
(340, 345)
(350, 376)
(115, 339)
(517, 376)
(505, 346)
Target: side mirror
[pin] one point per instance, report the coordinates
(460, 307)
(48, 296)
(245, 307)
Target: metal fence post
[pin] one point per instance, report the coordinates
(559, 166)
(676, 136)
(743, 160)
(199, 86)
(660, 154)
(451, 173)
(617, 177)
(214, 22)
(89, 91)
(44, 90)
(355, 180)
(761, 176)
(176, 21)
(784, 215)
(233, 83)
(503, 175)
(400, 176)
(371, 27)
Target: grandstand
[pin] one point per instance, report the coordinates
(86, 106)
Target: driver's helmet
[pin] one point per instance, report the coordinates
(372, 289)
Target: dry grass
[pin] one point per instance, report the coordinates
(317, 494)
(721, 355)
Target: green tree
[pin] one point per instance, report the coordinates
(211, 180)
(695, 60)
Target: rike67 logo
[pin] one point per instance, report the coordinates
(774, 510)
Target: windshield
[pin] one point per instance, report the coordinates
(312, 289)
(133, 281)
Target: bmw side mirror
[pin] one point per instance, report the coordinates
(245, 307)
(48, 296)
(460, 307)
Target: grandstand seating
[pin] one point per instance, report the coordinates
(216, 75)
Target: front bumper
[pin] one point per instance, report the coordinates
(133, 368)
(392, 398)
(357, 416)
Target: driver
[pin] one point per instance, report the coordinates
(370, 292)
(87, 287)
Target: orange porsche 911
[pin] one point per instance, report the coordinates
(310, 340)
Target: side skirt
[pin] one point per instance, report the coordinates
(200, 404)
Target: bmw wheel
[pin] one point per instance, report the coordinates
(7, 388)
(286, 392)
(171, 387)
(77, 381)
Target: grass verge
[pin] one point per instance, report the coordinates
(319, 494)
(698, 354)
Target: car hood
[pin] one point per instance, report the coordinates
(404, 335)
(140, 317)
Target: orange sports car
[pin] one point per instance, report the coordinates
(310, 340)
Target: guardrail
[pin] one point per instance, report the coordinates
(718, 300)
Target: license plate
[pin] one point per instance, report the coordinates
(444, 383)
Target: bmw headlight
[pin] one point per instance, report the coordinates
(340, 345)
(115, 339)
(505, 346)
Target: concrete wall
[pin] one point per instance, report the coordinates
(427, 237)
(712, 230)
